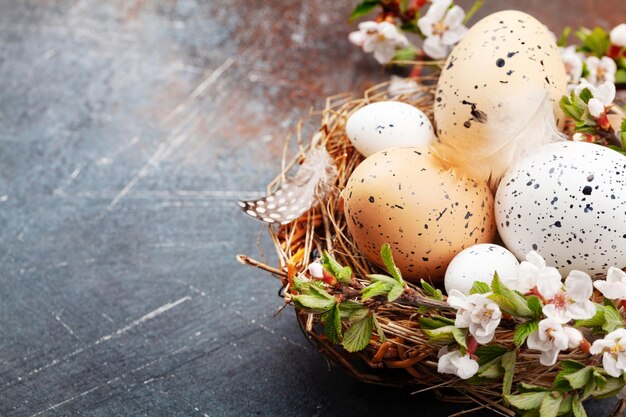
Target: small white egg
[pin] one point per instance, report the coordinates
(388, 124)
(479, 263)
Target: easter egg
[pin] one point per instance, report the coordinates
(568, 203)
(479, 263)
(402, 196)
(498, 94)
(388, 124)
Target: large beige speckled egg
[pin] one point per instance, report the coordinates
(495, 93)
(403, 197)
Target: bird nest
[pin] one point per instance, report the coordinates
(400, 349)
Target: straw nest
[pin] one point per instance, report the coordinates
(406, 358)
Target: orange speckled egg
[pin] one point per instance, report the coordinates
(403, 197)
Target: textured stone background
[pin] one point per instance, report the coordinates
(128, 131)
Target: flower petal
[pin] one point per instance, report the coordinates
(618, 35)
(578, 285)
(434, 47)
(574, 336)
(610, 365)
(615, 274)
(549, 282)
(454, 17)
(559, 315)
(437, 9)
(605, 92)
(582, 310)
(596, 108)
(548, 357)
(466, 366)
(453, 36)
(536, 259)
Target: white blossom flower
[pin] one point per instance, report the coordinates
(603, 96)
(380, 38)
(570, 301)
(578, 137)
(601, 70)
(443, 28)
(401, 85)
(529, 272)
(613, 348)
(551, 338)
(614, 287)
(476, 312)
(316, 270)
(455, 363)
(573, 62)
(618, 35)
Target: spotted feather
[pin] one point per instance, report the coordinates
(298, 194)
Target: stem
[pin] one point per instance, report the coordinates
(618, 410)
(477, 5)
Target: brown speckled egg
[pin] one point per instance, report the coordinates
(402, 196)
(495, 93)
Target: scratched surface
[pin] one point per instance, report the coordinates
(128, 130)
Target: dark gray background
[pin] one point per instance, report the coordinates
(128, 129)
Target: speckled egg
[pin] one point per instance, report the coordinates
(479, 263)
(500, 79)
(567, 202)
(388, 124)
(403, 197)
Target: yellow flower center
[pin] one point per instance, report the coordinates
(439, 28)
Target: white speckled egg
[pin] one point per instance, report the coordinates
(568, 203)
(402, 196)
(498, 83)
(479, 263)
(388, 124)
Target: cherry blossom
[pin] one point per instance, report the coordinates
(443, 27)
(529, 272)
(573, 64)
(618, 35)
(381, 38)
(603, 96)
(401, 85)
(477, 312)
(601, 69)
(551, 338)
(570, 301)
(613, 349)
(456, 363)
(614, 287)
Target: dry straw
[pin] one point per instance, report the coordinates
(407, 358)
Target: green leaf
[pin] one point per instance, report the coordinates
(524, 330)
(358, 336)
(352, 310)
(375, 289)
(524, 387)
(535, 305)
(345, 275)
(613, 319)
(528, 400)
(550, 405)
(586, 95)
(620, 76)
(596, 42)
(531, 413)
(382, 278)
(490, 352)
(508, 363)
(395, 293)
(364, 8)
(408, 53)
(577, 407)
(572, 366)
(563, 38)
(510, 301)
(566, 406)
(435, 322)
(480, 287)
(460, 335)
(579, 378)
(332, 324)
(330, 265)
(491, 369)
(387, 257)
(432, 291)
(316, 300)
(379, 329)
(441, 335)
(610, 388)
